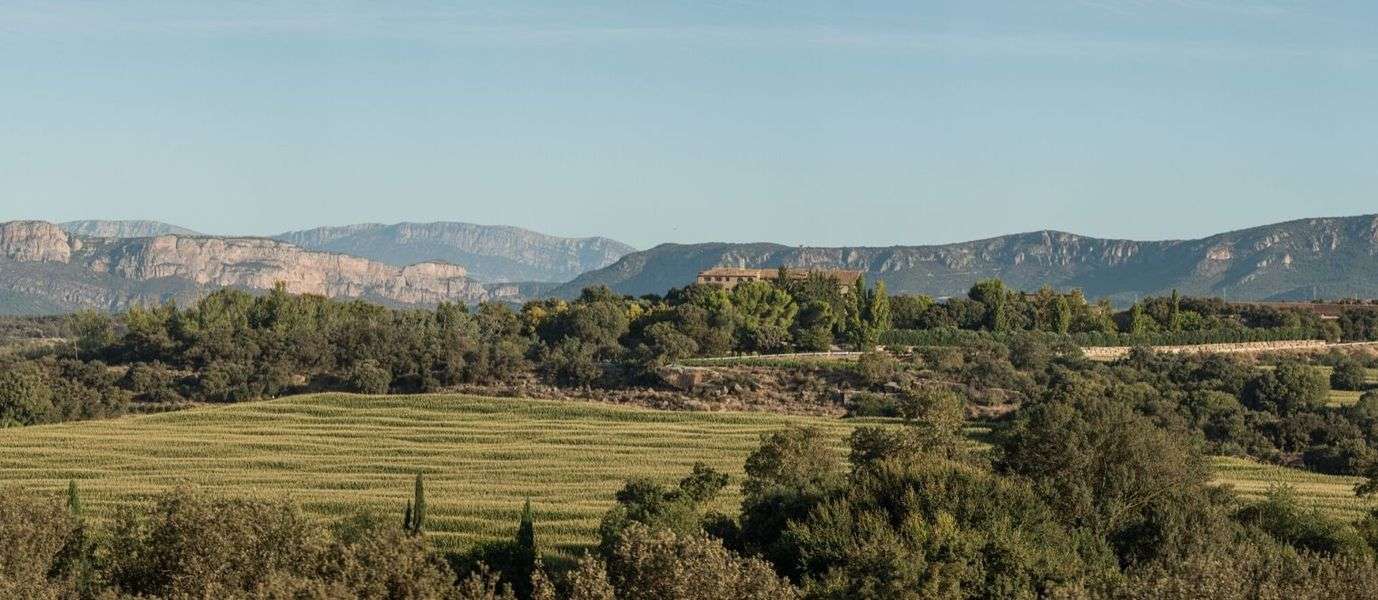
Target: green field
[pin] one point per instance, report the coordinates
(338, 453)
(1332, 494)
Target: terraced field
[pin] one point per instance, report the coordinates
(337, 453)
(1332, 494)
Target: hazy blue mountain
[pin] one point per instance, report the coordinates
(123, 229)
(492, 254)
(1326, 257)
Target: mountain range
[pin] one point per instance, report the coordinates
(43, 268)
(494, 254)
(46, 267)
(1324, 257)
(123, 229)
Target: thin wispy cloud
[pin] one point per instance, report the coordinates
(500, 27)
(1238, 8)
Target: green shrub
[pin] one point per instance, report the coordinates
(368, 377)
(872, 405)
(1349, 374)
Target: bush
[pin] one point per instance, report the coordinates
(188, 545)
(872, 405)
(1367, 406)
(926, 524)
(25, 396)
(573, 362)
(192, 546)
(644, 502)
(1281, 515)
(368, 377)
(1349, 374)
(33, 534)
(647, 563)
(877, 368)
(1287, 389)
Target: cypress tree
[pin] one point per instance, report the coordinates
(526, 531)
(1062, 315)
(1175, 315)
(526, 563)
(418, 514)
(1137, 325)
(406, 519)
(73, 499)
(880, 308)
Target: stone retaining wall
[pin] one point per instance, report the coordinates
(1117, 352)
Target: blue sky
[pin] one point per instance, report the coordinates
(719, 120)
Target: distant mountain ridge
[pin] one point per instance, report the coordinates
(46, 269)
(1323, 257)
(123, 229)
(490, 253)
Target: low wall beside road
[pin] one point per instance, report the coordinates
(1117, 352)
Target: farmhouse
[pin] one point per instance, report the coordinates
(729, 277)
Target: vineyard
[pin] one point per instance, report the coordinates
(336, 454)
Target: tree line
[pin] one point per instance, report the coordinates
(232, 345)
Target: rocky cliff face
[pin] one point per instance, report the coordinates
(1334, 257)
(492, 254)
(123, 229)
(35, 241)
(40, 264)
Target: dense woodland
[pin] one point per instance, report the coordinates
(234, 346)
(1094, 483)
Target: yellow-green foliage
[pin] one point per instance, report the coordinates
(340, 453)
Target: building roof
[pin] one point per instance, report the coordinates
(843, 276)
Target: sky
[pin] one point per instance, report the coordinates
(798, 122)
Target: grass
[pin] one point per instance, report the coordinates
(1332, 494)
(337, 454)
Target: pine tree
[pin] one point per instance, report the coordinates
(73, 499)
